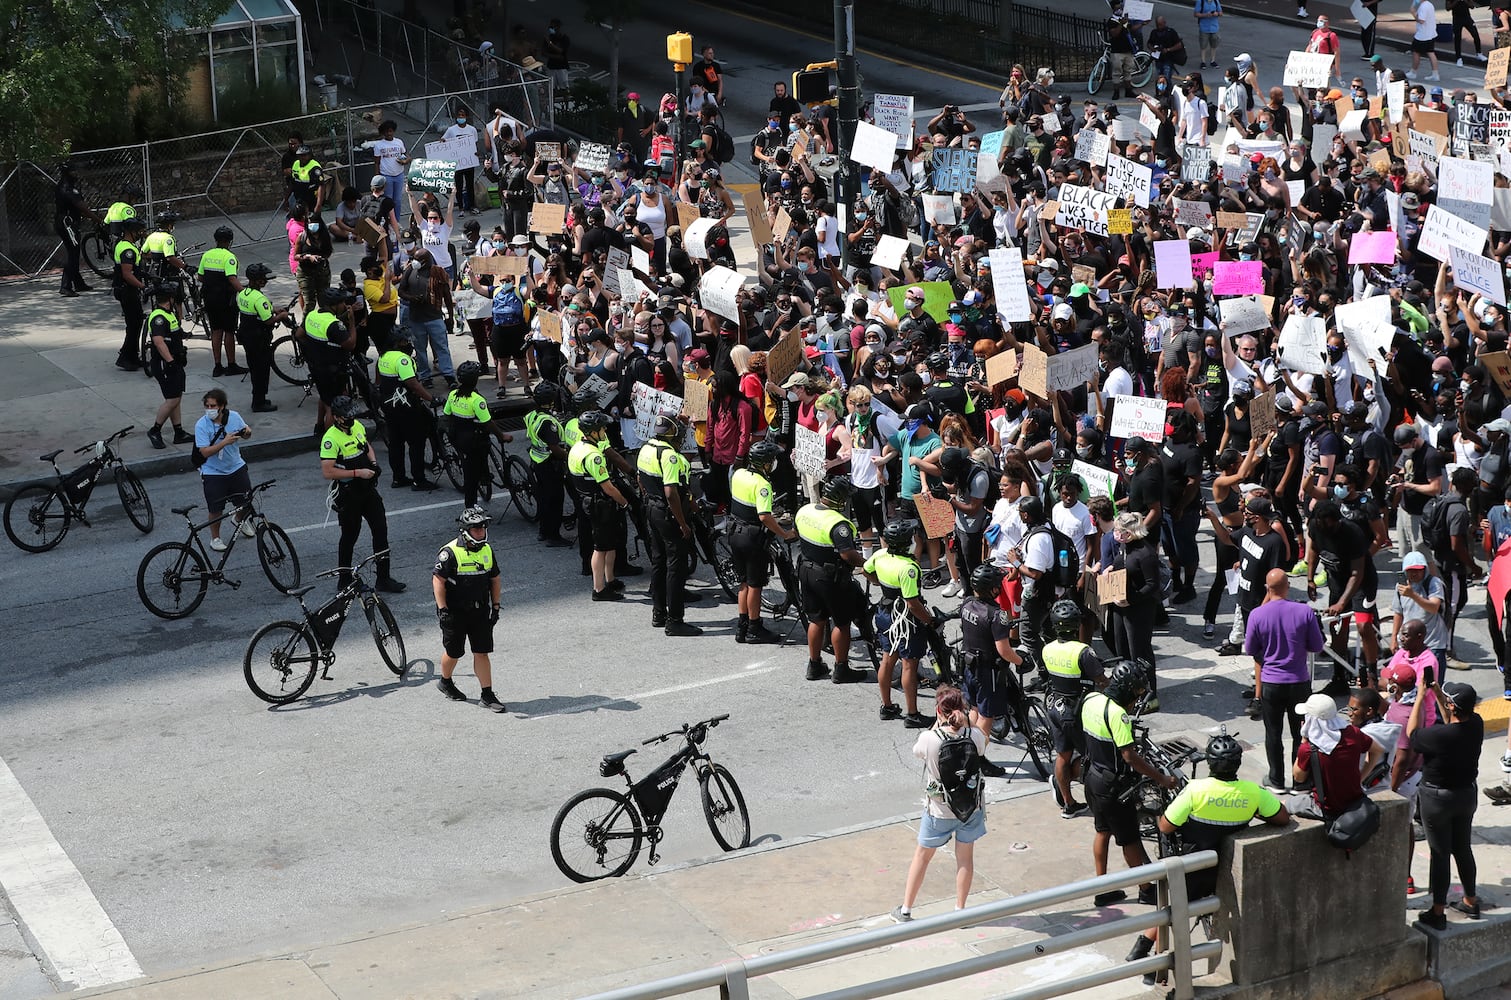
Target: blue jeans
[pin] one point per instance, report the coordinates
(394, 188)
(432, 333)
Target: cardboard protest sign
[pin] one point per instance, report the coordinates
(1232, 220)
(784, 357)
(1172, 264)
(1495, 69)
(371, 233)
(437, 176)
(808, 451)
(937, 516)
(1475, 273)
(755, 218)
(894, 113)
(546, 218)
(1080, 274)
(1427, 120)
(550, 325)
(593, 157)
(1112, 586)
(1262, 413)
(687, 215)
(1070, 369)
(1138, 416)
(1001, 368)
(1009, 286)
(1303, 344)
(695, 400)
(1498, 364)
(619, 260)
(1033, 372)
(498, 265)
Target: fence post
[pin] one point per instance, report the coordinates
(147, 177)
(736, 985)
(1180, 930)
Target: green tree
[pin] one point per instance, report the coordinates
(72, 72)
(612, 16)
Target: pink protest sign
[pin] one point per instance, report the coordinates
(1202, 263)
(1373, 248)
(1238, 277)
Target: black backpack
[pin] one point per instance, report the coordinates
(1435, 530)
(1065, 568)
(723, 146)
(959, 765)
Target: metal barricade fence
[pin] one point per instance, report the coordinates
(1173, 915)
(233, 174)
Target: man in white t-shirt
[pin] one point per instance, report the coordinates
(1424, 40)
(463, 129)
(391, 157)
(1192, 130)
(1072, 518)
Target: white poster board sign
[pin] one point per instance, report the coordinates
(695, 240)
(894, 113)
(1128, 180)
(1071, 369)
(1478, 274)
(649, 403)
(1010, 286)
(719, 291)
(1138, 416)
(1244, 314)
(874, 147)
(1083, 208)
(889, 251)
(1303, 344)
(808, 451)
(1443, 229)
(1466, 188)
(460, 151)
(1307, 69)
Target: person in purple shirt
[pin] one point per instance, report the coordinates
(1281, 634)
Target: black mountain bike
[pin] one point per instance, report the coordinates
(281, 659)
(173, 578)
(598, 833)
(290, 365)
(38, 516)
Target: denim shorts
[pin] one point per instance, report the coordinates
(934, 832)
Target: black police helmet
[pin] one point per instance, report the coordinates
(986, 581)
(1065, 619)
(468, 372)
(330, 298)
(667, 428)
(837, 491)
(584, 400)
(259, 272)
(344, 407)
(1224, 754)
(166, 217)
(938, 361)
(1126, 683)
(167, 290)
(132, 192)
(594, 421)
(763, 456)
(546, 393)
(224, 234)
(898, 535)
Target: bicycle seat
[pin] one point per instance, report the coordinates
(51, 455)
(616, 758)
(184, 511)
(301, 591)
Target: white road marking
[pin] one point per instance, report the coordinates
(52, 899)
(753, 670)
(393, 513)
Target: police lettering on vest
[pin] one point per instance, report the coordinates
(1208, 810)
(467, 415)
(1062, 660)
(256, 311)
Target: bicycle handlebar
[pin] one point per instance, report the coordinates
(92, 445)
(353, 570)
(263, 486)
(686, 728)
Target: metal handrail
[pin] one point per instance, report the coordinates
(1174, 913)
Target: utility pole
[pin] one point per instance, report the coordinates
(847, 177)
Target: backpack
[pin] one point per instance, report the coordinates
(959, 765)
(993, 489)
(1065, 570)
(508, 307)
(723, 146)
(197, 457)
(1435, 523)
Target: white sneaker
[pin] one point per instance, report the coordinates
(1506, 762)
(1411, 74)
(217, 545)
(1301, 12)
(1481, 57)
(1435, 78)
(246, 528)
(952, 589)
(1458, 62)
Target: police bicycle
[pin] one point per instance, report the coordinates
(1028, 719)
(282, 657)
(38, 516)
(172, 579)
(599, 832)
(97, 248)
(290, 365)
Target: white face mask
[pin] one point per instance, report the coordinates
(792, 397)
(212, 414)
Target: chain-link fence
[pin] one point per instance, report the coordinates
(235, 174)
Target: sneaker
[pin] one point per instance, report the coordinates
(1411, 74)
(608, 594)
(1255, 709)
(1411, 886)
(1073, 810)
(234, 369)
(1229, 649)
(993, 770)
(917, 720)
(1478, 55)
(181, 436)
(247, 529)
(617, 585)
(1506, 762)
(450, 690)
(128, 364)
(1209, 631)
(1458, 62)
(1184, 596)
(901, 914)
(155, 435)
(399, 482)
(1148, 896)
(681, 628)
(932, 578)
(890, 712)
(1272, 784)
(1301, 12)
(1470, 910)
(1435, 77)
(1300, 568)
(1109, 897)
(1432, 921)
(220, 370)
(951, 589)
(658, 619)
(1499, 794)
(491, 703)
(218, 544)
(424, 486)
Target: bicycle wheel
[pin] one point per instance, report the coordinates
(596, 835)
(724, 567)
(96, 253)
(1098, 75)
(724, 807)
(1143, 69)
(134, 499)
(780, 593)
(280, 662)
(1033, 724)
(444, 457)
(36, 518)
(522, 488)
(288, 363)
(386, 634)
(276, 553)
(172, 579)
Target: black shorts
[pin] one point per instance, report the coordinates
(1109, 815)
(233, 488)
(508, 341)
(607, 522)
(1059, 708)
(329, 383)
(748, 553)
(222, 316)
(170, 377)
(469, 630)
(1424, 46)
(866, 509)
(988, 692)
(827, 598)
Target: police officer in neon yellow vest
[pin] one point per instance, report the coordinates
(130, 289)
(601, 515)
(827, 577)
(467, 589)
(548, 459)
(307, 179)
(901, 617)
(663, 474)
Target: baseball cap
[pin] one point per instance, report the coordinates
(1062, 310)
(1318, 706)
(1197, 233)
(697, 355)
(1402, 675)
(1376, 60)
(1137, 446)
(1499, 425)
(1260, 507)
(1414, 560)
(1316, 408)
(1079, 289)
(1463, 696)
(796, 380)
(972, 298)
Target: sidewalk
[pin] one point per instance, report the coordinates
(586, 939)
(1394, 31)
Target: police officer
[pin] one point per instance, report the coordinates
(167, 357)
(130, 290)
(69, 210)
(469, 422)
(826, 537)
(120, 211)
(548, 457)
(1073, 669)
(585, 401)
(402, 398)
(258, 317)
(328, 343)
(985, 649)
(1034, 558)
(901, 617)
(1207, 812)
(663, 476)
(601, 514)
(350, 462)
(751, 525)
(220, 286)
(307, 179)
(467, 587)
(1113, 768)
(160, 249)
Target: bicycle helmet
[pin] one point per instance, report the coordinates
(472, 517)
(1224, 754)
(224, 234)
(898, 535)
(259, 272)
(467, 374)
(667, 428)
(1032, 509)
(167, 290)
(584, 401)
(763, 456)
(1065, 619)
(955, 463)
(836, 491)
(986, 581)
(344, 407)
(132, 192)
(166, 217)
(594, 422)
(132, 225)
(939, 361)
(546, 394)
(1126, 683)
(330, 298)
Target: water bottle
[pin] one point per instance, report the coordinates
(1064, 558)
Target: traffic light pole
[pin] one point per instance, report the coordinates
(847, 178)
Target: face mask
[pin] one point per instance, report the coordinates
(1321, 24)
(792, 127)
(913, 426)
(928, 377)
(461, 121)
(900, 359)
(786, 184)
(314, 227)
(860, 216)
(212, 414)
(1340, 492)
(802, 267)
(792, 397)
(957, 317)
(1211, 352)
(806, 201)
(882, 371)
(831, 318)
(1335, 352)
(1161, 88)
(1245, 256)
(773, 124)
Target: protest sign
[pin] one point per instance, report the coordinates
(784, 357)
(602, 390)
(1001, 367)
(1362, 14)
(1071, 369)
(1112, 586)
(1128, 180)
(1495, 69)
(545, 218)
(1192, 213)
(939, 208)
(1196, 164)
(1172, 264)
(1372, 248)
(1498, 364)
(937, 516)
(1138, 416)
(954, 169)
(695, 400)
(1466, 188)
(1308, 69)
(1352, 124)
(695, 238)
(1262, 413)
(1120, 221)
(649, 403)
(755, 218)
(1238, 277)
(550, 325)
(1050, 122)
(593, 157)
(889, 251)
(1033, 372)
(1149, 122)
(1444, 229)
(618, 261)
(781, 225)
(1202, 263)
(498, 265)
(1138, 10)
(462, 152)
(1366, 329)
(1083, 208)
(894, 113)
(937, 296)
(1303, 344)
(1099, 482)
(1244, 314)
(719, 291)
(1081, 274)
(1395, 100)
(1092, 146)
(548, 152)
(1475, 273)
(873, 147)
(438, 176)
(688, 214)
(808, 451)
(1009, 286)
(372, 234)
